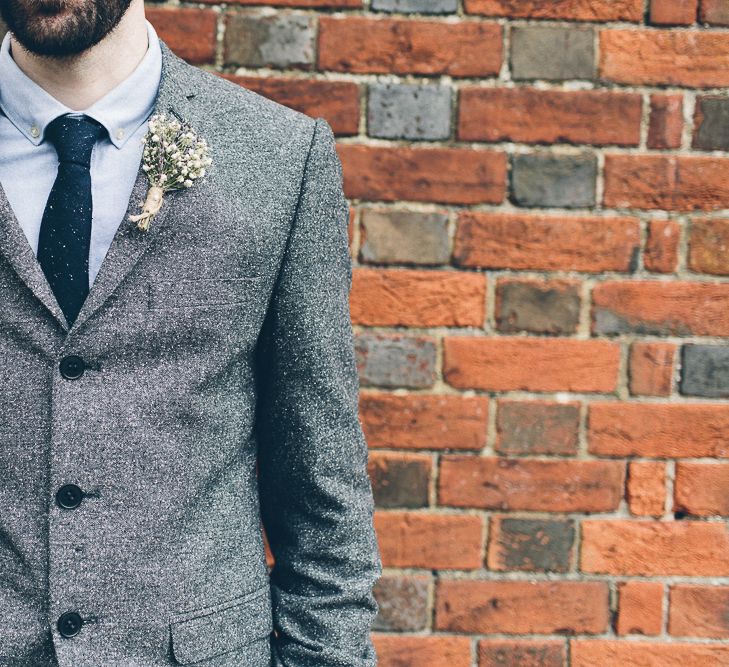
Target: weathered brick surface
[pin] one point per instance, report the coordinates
(564, 181)
(661, 248)
(537, 545)
(611, 653)
(402, 601)
(673, 12)
(570, 242)
(539, 306)
(709, 246)
(530, 364)
(658, 429)
(701, 489)
(420, 6)
(417, 298)
(400, 480)
(436, 651)
(714, 12)
(661, 307)
(540, 607)
(705, 370)
(646, 492)
(666, 121)
(432, 174)
(710, 118)
(523, 484)
(369, 45)
(651, 368)
(553, 53)
(523, 652)
(420, 421)
(640, 608)
(395, 360)
(549, 116)
(654, 548)
(409, 111)
(283, 39)
(429, 540)
(189, 32)
(536, 427)
(395, 236)
(574, 10)
(699, 611)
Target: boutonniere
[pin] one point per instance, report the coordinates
(174, 157)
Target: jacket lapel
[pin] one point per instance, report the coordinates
(129, 243)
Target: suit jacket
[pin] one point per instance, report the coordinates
(207, 386)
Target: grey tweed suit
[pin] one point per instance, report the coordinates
(217, 391)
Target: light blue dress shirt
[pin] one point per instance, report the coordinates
(28, 164)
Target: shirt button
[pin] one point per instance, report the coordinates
(69, 624)
(72, 367)
(34, 131)
(120, 133)
(69, 496)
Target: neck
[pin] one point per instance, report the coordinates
(80, 80)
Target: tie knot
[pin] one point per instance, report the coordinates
(74, 137)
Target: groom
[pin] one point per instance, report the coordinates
(167, 393)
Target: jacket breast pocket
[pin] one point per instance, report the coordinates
(202, 292)
(229, 626)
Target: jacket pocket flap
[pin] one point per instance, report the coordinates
(210, 631)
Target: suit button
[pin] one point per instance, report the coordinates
(69, 496)
(69, 624)
(72, 367)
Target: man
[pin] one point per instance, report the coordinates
(167, 392)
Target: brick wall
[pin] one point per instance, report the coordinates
(540, 230)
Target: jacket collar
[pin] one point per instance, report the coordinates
(174, 96)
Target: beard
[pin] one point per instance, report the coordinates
(61, 27)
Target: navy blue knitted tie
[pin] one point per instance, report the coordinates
(65, 232)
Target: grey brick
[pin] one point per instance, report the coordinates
(705, 370)
(541, 308)
(712, 132)
(403, 603)
(421, 6)
(539, 545)
(552, 53)
(404, 237)
(394, 360)
(399, 481)
(409, 111)
(279, 40)
(564, 181)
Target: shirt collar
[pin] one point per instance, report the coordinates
(121, 111)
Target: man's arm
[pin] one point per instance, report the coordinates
(316, 497)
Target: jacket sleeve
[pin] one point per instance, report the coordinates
(315, 493)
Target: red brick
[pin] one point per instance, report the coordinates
(528, 115)
(661, 250)
(306, 4)
(575, 10)
(521, 653)
(189, 32)
(672, 183)
(403, 651)
(433, 541)
(699, 611)
(640, 608)
(537, 427)
(670, 430)
(666, 121)
(700, 489)
(650, 548)
(524, 484)
(420, 421)
(546, 242)
(715, 12)
(647, 488)
(337, 101)
(435, 174)
(400, 46)
(512, 363)
(611, 653)
(511, 607)
(661, 307)
(709, 246)
(673, 12)
(651, 368)
(417, 298)
(666, 57)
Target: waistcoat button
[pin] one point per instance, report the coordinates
(72, 367)
(69, 624)
(69, 496)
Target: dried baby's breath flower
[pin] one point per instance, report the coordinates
(174, 157)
